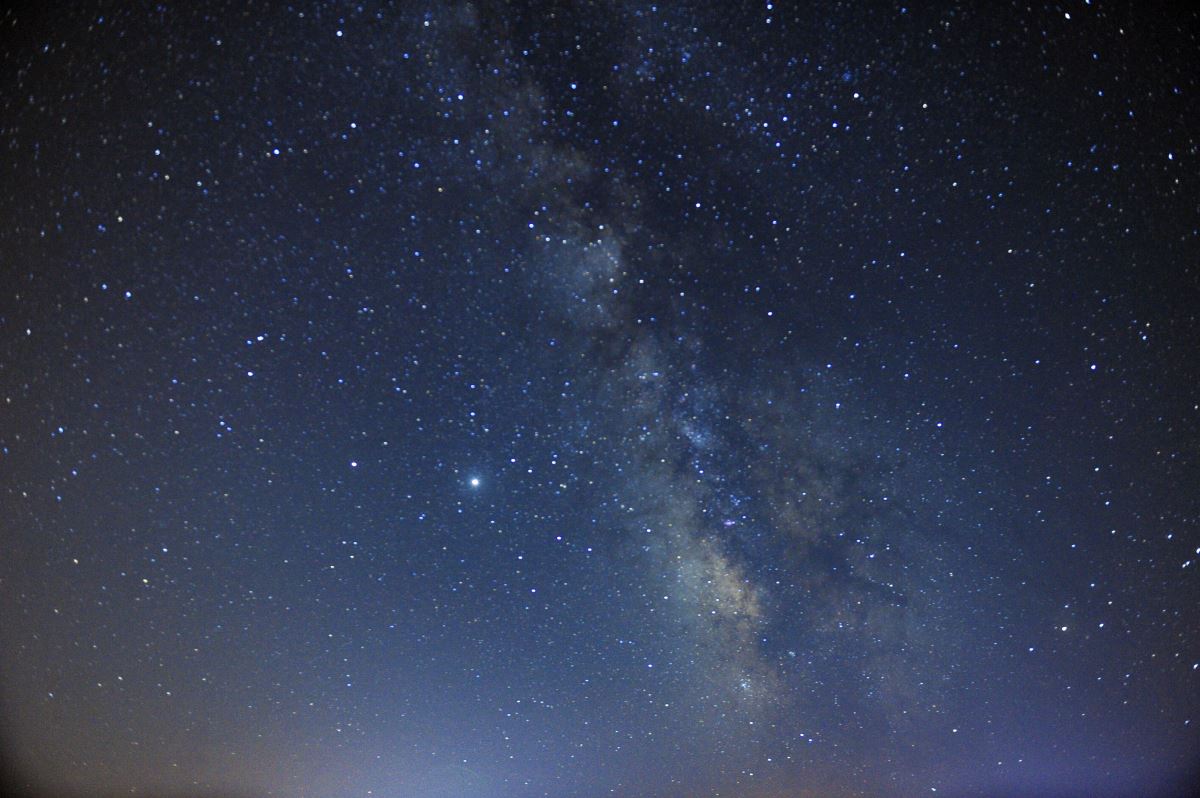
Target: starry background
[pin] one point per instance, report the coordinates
(599, 399)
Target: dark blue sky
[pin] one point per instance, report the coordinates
(607, 399)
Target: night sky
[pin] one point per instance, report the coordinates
(600, 400)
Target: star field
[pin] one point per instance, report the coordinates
(599, 399)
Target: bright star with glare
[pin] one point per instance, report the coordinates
(474, 482)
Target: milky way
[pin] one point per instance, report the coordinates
(608, 399)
